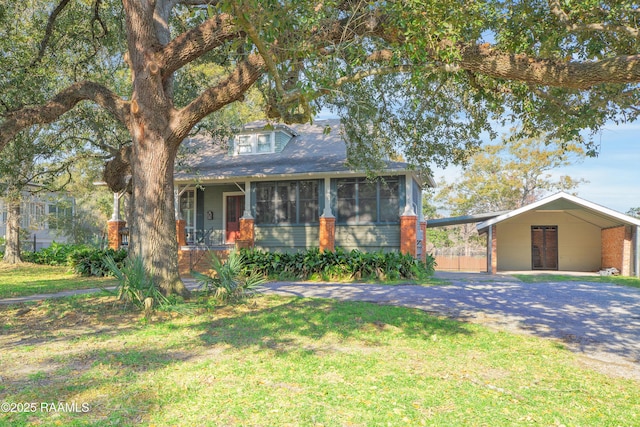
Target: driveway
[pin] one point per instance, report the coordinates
(600, 321)
(596, 320)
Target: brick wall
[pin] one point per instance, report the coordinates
(197, 259)
(408, 234)
(327, 234)
(113, 233)
(616, 249)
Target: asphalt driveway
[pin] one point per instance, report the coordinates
(601, 321)
(597, 320)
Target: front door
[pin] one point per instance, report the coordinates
(235, 209)
(544, 247)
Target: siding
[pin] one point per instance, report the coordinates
(281, 141)
(368, 238)
(213, 202)
(285, 238)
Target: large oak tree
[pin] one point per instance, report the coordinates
(422, 76)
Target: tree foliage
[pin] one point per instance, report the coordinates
(509, 175)
(422, 77)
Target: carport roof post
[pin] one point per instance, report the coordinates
(636, 253)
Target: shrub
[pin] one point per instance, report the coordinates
(55, 254)
(337, 265)
(93, 262)
(230, 281)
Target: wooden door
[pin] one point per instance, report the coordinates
(544, 247)
(235, 209)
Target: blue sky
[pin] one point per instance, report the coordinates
(614, 176)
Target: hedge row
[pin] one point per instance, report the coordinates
(82, 259)
(340, 264)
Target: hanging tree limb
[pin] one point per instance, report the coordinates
(15, 121)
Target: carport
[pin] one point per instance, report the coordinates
(562, 233)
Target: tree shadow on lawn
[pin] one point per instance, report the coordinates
(87, 350)
(288, 325)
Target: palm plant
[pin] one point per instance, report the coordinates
(228, 282)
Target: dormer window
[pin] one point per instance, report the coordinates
(255, 143)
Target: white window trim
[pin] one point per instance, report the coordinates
(253, 139)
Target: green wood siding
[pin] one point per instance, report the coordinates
(286, 238)
(281, 140)
(368, 237)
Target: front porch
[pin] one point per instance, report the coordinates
(221, 216)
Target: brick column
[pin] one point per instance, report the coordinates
(327, 233)
(247, 231)
(494, 250)
(423, 229)
(408, 237)
(181, 232)
(617, 249)
(113, 233)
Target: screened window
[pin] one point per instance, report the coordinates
(59, 215)
(287, 202)
(364, 201)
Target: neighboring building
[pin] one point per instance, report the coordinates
(564, 233)
(288, 188)
(41, 215)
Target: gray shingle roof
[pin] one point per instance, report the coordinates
(311, 151)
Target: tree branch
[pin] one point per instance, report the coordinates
(48, 30)
(231, 89)
(545, 72)
(196, 42)
(565, 19)
(64, 101)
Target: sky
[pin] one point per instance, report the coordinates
(614, 176)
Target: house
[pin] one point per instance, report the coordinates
(289, 188)
(564, 233)
(41, 215)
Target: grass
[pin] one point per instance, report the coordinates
(29, 279)
(291, 361)
(618, 280)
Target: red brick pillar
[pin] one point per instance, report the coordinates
(327, 234)
(114, 227)
(408, 234)
(494, 250)
(423, 229)
(181, 232)
(247, 231)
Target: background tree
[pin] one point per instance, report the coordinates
(509, 175)
(634, 212)
(36, 161)
(420, 77)
(502, 177)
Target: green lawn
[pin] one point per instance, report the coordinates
(618, 280)
(290, 361)
(29, 279)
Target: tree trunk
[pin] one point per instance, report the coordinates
(153, 222)
(12, 247)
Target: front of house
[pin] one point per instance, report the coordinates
(288, 188)
(43, 216)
